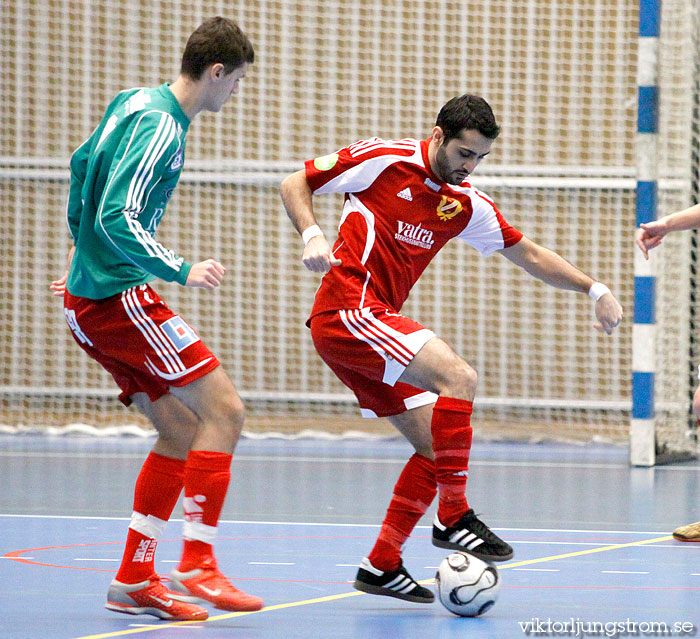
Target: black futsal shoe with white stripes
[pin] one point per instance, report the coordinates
(395, 583)
(473, 536)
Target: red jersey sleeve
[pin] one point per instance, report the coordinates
(354, 168)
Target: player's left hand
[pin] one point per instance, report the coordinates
(650, 235)
(608, 312)
(58, 287)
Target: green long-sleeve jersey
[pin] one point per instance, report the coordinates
(122, 177)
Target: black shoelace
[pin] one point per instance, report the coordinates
(480, 528)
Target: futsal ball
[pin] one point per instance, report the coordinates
(467, 585)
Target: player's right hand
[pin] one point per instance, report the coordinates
(58, 287)
(318, 257)
(649, 236)
(206, 274)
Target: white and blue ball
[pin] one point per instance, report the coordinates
(467, 585)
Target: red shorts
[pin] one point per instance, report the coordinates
(139, 341)
(369, 349)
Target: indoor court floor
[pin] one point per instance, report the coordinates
(591, 538)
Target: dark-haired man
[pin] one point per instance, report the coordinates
(403, 201)
(122, 177)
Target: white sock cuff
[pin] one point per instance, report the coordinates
(148, 525)
(197, 531)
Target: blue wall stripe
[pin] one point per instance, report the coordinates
(647, 197)
(644, 300)
(649, 18)
(647, 109)
(642, 395)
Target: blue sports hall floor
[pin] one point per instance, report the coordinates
(591, 538)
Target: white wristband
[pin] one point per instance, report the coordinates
(312, 231)
(598, 290)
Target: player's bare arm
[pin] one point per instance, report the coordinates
(551, 268)
(297, 198)
(650, 235)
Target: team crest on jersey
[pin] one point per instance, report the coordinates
(448, 208)
(326, 162)
(176, 164)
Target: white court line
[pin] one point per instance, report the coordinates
(353, 565)
(271, 563)
(624, 572)
(93, 559)
(340, 525)
(538, 569)
(558, 543)
(156, 627)
(355, 460)
(326, 460)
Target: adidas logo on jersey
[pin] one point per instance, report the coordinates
(415, 235)
(405, 194)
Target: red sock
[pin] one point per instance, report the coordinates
(413, 493)
(157, 490)
(452, 441)
(207, 476)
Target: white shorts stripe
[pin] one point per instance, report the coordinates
(130, 311)
(379, 328)
(168, 348)
(173, 376)
(386, 348)
(365, 324)
(359, 335)
(152, 332)
(397, 349)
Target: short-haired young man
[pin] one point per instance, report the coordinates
(122, 177)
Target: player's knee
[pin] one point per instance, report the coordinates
(458, 381)
(227, 414)
(235, 414)
(465, 380)
(471, 378)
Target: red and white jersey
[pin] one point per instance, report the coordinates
(397, 216)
